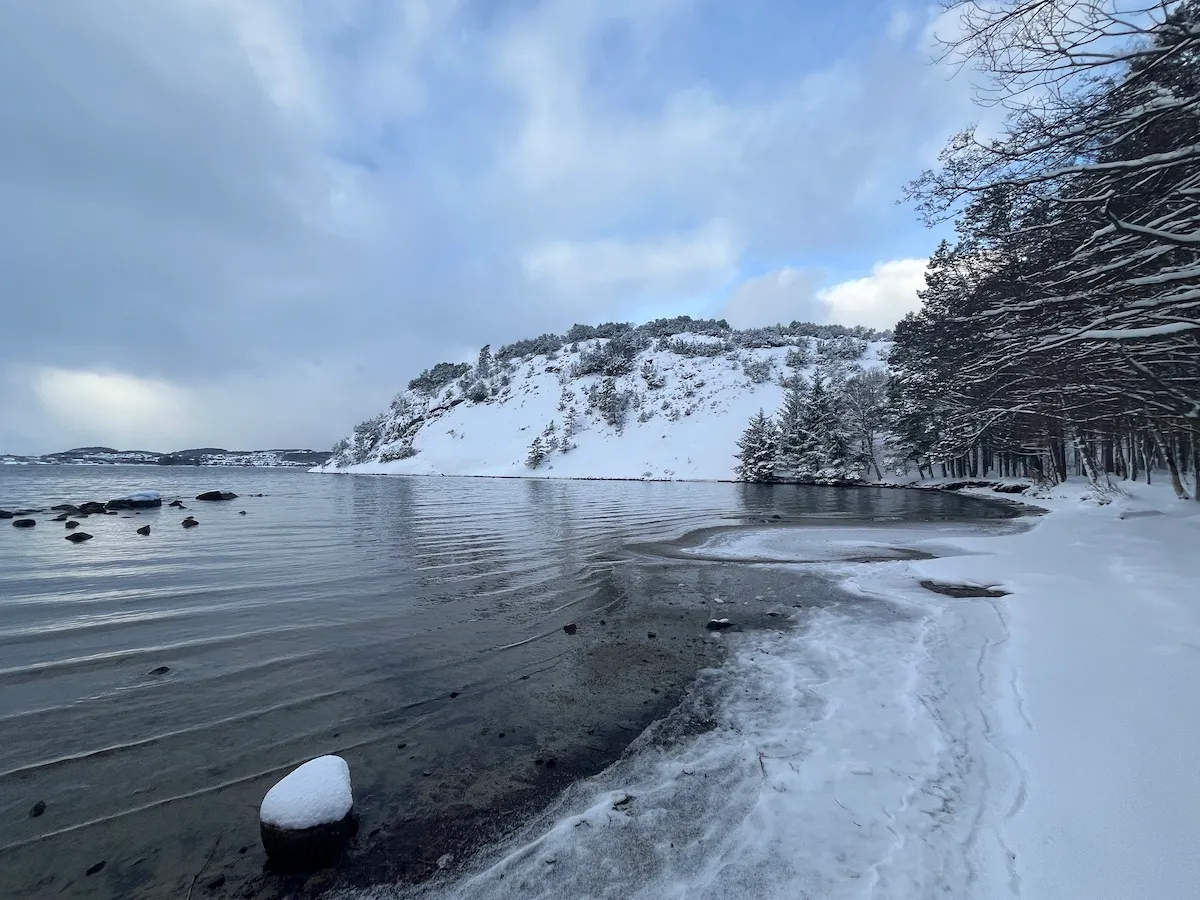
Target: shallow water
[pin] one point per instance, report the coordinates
(338, 615)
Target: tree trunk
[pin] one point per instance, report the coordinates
(1164, 447)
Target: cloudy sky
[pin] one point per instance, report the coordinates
(247, 223)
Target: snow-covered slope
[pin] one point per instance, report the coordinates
(674, 413)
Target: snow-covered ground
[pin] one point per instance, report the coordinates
(684, 425)
(904, 744)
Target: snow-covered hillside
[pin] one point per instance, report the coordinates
(642, 405)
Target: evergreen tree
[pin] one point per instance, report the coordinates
(791, 425)
(758, 449)
(537, 453)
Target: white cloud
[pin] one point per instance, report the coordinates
(115, 407)
(879, 300)
(782, 296)
(666, 266)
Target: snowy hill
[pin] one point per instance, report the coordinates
(666, 400)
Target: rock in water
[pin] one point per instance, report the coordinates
(189, 522)
(23, 523)
(178, 503)
(72, 524)
(145, 529)
(216, 495)
(137, 500)
(78, 537)
(307, 817)
(5, 514)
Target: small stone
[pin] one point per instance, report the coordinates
(96, 868)
(501, 734)
(401, 746)
(216, 883)
(453, 694)
(145, 529)
(571, 628)
(242, 513)
(651, 635)
(38, 809)
(72, 524)
(189, 522)
(23, 523)
(551, 763)
(161, 670)
(78, 537)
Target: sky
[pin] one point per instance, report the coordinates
(247, 223)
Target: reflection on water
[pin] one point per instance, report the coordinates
(140, 674)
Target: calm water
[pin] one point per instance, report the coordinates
(337, 615)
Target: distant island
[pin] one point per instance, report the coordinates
(201, 456)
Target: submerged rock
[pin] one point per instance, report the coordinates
(23, 523)
(217, 495)
(78, 537)
(178, 503)
(307, 817)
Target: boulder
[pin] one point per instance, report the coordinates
(78, 537)
(307, 817)
(90, 507)
(145, 529)
(23, 523)
(137, 500)
(217, 495)
(5, 514)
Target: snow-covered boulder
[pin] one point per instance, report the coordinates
(307, 817)
(136, 500)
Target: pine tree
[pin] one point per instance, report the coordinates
(757, 450)
(791, 424)
(537, 453)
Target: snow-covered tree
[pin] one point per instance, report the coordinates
(758, 449)
(537, 453)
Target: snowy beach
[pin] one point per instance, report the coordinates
(906, 744)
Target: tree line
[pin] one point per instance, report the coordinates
(1060, 328)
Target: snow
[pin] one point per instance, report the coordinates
(144, 496)
(904, 744)
(692, 423)
(316, 793)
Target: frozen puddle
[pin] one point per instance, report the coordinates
(848, 757)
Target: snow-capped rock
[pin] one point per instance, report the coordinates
(137, 500)
(306, 818)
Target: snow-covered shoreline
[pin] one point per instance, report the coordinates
(1034, 745)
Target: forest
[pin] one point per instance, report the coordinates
(1060, 327)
